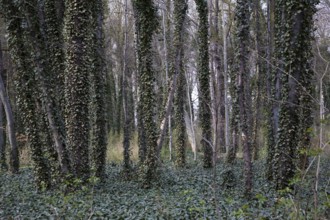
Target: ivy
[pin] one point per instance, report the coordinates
(177, 67)
(77, 38)
(98, 70)
(146, 25)
(27, 89)
(203, 72)
(179, 194)
(293, 46)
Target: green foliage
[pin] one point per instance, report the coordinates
(177, 194)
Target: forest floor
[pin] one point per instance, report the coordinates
(189, 193)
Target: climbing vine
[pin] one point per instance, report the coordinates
(77, 39)
(27, 90)
(98, 124)
(295, 114)
(146, 24)
(180, 9)
(203, 72)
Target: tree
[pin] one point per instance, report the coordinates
(203, 72)
(219, 107)
(98, 119)
(3, 161)
(44, 39)
(53, 12)
(146, 24)
(295, 113)
(77, 39)
(258, 82)
(243, 87)
(225, 78)
(49, 44)
(269, 90)
(141, 132)
(26, 89)
(125, 89)
(180, 9)
(14, 154)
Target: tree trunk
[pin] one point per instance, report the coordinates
(269, 86)
(225, 78)
(243, 87)
(180, 9)
(203, 72)
(3, 162)
(78, 37)
(295, 114)
(98, 119)
(147, 23)
(40, 41)
(14, 154)
(26, 90)
(127, 119)
(259, 77)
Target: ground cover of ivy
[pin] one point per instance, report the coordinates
(190, 193)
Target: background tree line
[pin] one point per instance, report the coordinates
(228, 79)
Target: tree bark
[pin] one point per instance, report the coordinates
(146, 24)
(26, 90)
(180, 9)
(225, 78)
(3, 162)
(269, 86)
(203, 72)
(98, 116)
(14, 154)
(37, 35)
(243, 87)
(78, 35)
(295, 114)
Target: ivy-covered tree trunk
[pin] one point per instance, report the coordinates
(99, 134)
(140, 124)
(307, 92)
(14, 154)
(3, 163)
(269, 87)
(277, 79)
(296, 52)
(147, 23)
(243, 88)
(180, 10)
(220, 104)
(203, 72)
(44, 37)
(53, 27)
(26, 92)
(259, 80)
(234, 122)
(77, 39)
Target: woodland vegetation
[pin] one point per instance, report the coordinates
(165, 109)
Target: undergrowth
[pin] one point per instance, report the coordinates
(189, 193)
